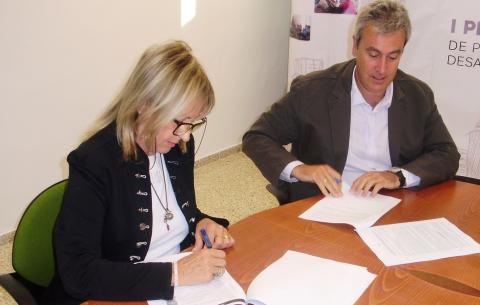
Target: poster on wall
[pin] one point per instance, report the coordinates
(444, 51)
(455, 77)
(319, 31)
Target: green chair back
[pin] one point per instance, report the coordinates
(33, 254)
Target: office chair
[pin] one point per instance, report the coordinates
(280, 195)
(467, 179)
(33, 255)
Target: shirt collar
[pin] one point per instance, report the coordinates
(357, 97)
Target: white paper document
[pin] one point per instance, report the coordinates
(299, 278)
(356, 210)
(220, 290)
(417, 241)
(295, 278)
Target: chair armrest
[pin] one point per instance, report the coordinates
(17, 290)
(282, 196)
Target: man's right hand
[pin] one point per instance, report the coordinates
(323, 175)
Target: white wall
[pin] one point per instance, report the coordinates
(61, 62)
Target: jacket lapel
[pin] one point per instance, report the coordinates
(340, 107)
(396, 114)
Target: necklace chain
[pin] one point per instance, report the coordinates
(168, 214)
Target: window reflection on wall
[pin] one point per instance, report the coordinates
(188, 10)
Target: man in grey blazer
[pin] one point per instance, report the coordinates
(363, 121)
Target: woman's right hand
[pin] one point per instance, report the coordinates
(201, 266)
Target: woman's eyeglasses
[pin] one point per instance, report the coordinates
(183, 127)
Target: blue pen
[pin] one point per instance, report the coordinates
(205, 238)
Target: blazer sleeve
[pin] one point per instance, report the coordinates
(84, 273)
(438, 156)
(279, 126)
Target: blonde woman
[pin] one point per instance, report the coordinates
(130, 197)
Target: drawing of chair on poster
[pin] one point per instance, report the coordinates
(462, 163)
(472, 166)
(304, 65)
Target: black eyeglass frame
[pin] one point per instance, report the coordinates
(192, 126)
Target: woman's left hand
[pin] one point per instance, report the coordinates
(217, 234)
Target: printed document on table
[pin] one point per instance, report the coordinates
(356, 210)
(417, 241)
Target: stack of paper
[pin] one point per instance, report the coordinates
(358, 211)
(417, 241)
(298, 278)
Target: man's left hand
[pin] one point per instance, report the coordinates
(375, 181)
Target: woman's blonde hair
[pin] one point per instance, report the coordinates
(166, 81)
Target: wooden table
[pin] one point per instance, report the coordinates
(264, 237)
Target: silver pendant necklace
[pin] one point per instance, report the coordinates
(168, 214)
